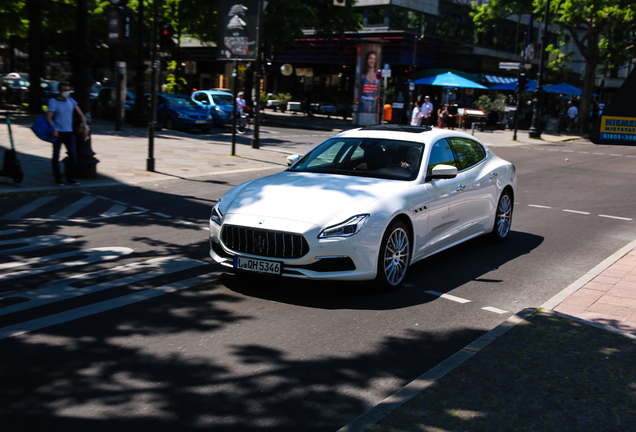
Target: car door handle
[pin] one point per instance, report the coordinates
(493, 175)
(460, 188)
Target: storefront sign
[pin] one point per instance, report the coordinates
(617, 123)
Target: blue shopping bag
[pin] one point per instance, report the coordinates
(43, 130)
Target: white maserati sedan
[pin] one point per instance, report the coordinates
(365, 205)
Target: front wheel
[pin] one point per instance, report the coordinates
(242, 126)
(394, 257)
(503, 218)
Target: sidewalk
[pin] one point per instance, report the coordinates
(568, 365)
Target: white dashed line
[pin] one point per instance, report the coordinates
(494, 309)
(539, 206)
(616, 217)
(577, 212)
(448, 297)
(583, 152)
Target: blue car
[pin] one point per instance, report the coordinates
(217, 103)
(180, 112)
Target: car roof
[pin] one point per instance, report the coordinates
(214, 92)
(423, 134)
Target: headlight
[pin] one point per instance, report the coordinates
(219, 110)
(216, 215)
(345, 229)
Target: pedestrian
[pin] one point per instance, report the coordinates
(451, 118)
(415, 115)
(427, 110)
(572, 114)
(60, 115)
(240, 103)
(442, 114)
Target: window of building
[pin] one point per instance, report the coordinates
(375, 16)
(398, 18)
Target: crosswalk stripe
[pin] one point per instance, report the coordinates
(73, 208)
(11, 231)
(83, 257)
(81, 312)
(114, 210)
(34, 243)
(63, 289)
(28, 208)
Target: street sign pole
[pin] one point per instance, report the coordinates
(521, 71)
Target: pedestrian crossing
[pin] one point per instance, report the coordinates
(73, 282)
(71, 207)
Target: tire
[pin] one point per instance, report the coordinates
(242, 126)
(394, 257)
(169, 124)
(503, 217)
(206, 130)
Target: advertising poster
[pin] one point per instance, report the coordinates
(368, 82)
(617, 123)
(237, 29)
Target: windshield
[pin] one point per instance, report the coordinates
(223, 99)
(365, 157)
(181, 102)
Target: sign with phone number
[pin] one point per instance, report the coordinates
(618, 137)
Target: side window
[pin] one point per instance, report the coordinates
(201, 97)
(468, 152)
(441, 154)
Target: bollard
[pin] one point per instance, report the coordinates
(472, 129)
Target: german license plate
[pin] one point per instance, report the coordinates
(199, 121)
(258, 266)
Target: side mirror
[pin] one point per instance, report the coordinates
(292, 159)
(204, 102)
(442, 172)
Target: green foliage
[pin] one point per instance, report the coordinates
(173, 84)
(488, 104)
(283, 97)
(285, 20)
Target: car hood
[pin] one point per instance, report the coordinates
(319, 199)
(190, 111)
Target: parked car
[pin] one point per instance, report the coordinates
(49, 90)
(14, 90)
(365, 205)
(104, 104)
(217, 103)
(181, 112)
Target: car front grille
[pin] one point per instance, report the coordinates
(274, 244)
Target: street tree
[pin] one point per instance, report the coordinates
(603, 31)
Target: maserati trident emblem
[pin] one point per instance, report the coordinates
(260, 243)
(261, 222)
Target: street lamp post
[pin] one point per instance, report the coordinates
(81, 59)
(537, 101)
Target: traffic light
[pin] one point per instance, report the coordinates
(166, 37)
(522, 84)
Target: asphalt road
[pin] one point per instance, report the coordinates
(117, 318)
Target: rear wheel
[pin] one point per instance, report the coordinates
(394, 257)
(503, 217)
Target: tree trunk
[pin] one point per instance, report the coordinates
(35, 56)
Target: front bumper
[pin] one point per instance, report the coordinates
(348, 258)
